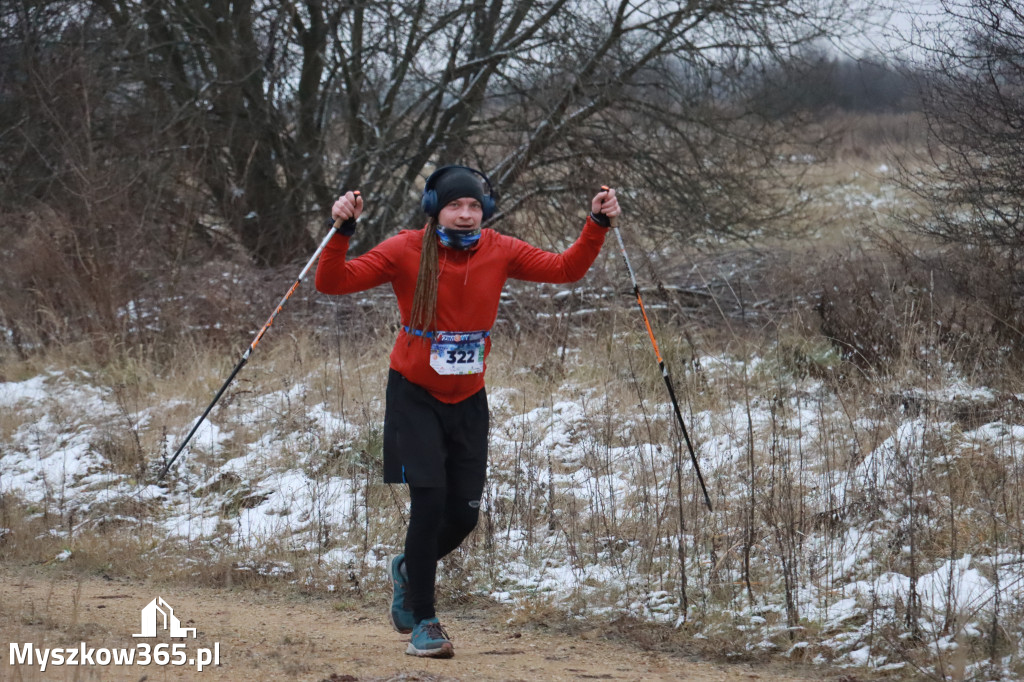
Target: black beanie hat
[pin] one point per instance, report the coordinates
(455, 184)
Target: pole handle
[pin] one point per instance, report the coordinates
(612, 220)
(339, 221)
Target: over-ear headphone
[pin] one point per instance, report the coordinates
(429, 201)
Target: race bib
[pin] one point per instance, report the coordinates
(458, 352)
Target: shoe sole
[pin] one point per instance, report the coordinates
(446, 650)
(391, 615)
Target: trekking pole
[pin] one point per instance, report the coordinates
(252, 346)
(661, 362)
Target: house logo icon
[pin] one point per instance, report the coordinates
(159, 611)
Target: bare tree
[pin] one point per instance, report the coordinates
(554, 98)
(86, 196)
(970, 178)
(551, 98)
(243, 80)
(974, 101)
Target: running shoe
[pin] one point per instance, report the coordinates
(430, 640)
(401, 618)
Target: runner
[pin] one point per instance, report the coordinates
(447, 278)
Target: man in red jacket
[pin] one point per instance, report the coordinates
(447, 278)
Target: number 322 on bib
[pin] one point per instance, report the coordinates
(458, 352)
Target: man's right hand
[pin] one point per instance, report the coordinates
(348, 207)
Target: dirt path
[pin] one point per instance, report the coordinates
(266, 636)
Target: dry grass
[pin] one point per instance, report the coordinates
(618, 404)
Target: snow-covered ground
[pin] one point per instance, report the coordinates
(859, 532)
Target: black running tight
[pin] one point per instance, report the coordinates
(438, 523)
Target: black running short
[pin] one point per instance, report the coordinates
(433, 444)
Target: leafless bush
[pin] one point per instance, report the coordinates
(895, 308)
(968, 175)
(93, 213)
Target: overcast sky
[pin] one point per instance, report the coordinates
(895, 27)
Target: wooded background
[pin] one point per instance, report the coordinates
(142, 140)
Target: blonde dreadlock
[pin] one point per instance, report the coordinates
(424, 300)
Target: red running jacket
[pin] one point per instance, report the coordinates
(467, 294)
